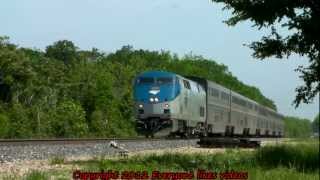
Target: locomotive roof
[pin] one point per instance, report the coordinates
(157, 74)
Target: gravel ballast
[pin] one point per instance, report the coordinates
(16, 152)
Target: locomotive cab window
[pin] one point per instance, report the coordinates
(145, 80)
(164, 80)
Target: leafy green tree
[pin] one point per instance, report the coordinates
(297, 127)
(16, 73)
(20, 123)
(62, 50)
(315, 124)
(93, 55)
(69, 120)
(99, 123)
(302, 21)
(4, 124)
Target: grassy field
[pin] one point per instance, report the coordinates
(289, 161)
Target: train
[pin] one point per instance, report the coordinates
(168, 104)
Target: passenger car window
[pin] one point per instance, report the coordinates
(225, 96)
(201, 111)
(215, 92)
(239, 101)
(186, 84)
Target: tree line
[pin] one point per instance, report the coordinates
(297, 127)
(64, 91)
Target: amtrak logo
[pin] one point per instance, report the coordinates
(154, 91)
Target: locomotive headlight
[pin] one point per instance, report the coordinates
(156, 99)
(166, 105)
(151, 99)
(140, 106)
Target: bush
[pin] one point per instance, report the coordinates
(297, 127)
(21, 125)
(98, 123)
(4, 124)
(69, 120)
(300, 156)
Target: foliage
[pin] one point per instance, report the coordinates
(69, 120)
(4, 124)
(296, 127)
(57, 160)
(301, 19)
(21, 124)
(98, 122)
(315, 124)
(67, 92)
(63, 50)
(301, 156)
(36, 175)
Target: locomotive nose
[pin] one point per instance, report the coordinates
(156, 104)
(156, 110)
(154, 90)
(154, 94)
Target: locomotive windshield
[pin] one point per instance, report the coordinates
(155, 81)
(145, 80)
(164, 80)
(159, 85)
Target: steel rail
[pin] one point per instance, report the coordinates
(66, 140)
(80, 140)
(107, 140)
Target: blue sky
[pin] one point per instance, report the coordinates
(180, 26)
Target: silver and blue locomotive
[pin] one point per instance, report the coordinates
(169, 104)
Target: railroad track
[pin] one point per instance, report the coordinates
(39, 149)
(228, 142)
(105, 140)
(73, 140)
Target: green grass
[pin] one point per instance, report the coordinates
(281, 173)
(291, 161)
(36, 175)
(298, 161)
(57, 160)
(303, 157)
(314, 140)
(10, 177)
